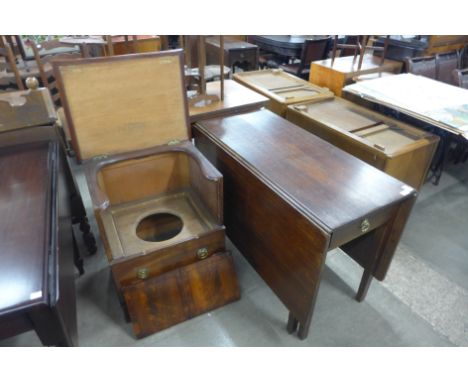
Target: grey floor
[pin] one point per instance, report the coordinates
(423, 301)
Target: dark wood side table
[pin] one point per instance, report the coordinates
(236, 53)
(36, 259)
(28, 116)
(284, 45)
(291, 197)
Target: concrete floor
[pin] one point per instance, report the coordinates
(423, 301)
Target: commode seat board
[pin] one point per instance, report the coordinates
(120, 222)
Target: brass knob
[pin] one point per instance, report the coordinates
(32, 83)
(142, 273)
(365, 225)
(202, 253)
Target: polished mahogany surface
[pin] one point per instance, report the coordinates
(287, 45)
(328, 185)
(24, 236)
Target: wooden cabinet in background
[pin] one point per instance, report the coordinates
(158, 202)
(237, 53)
(335, 77)
(281, 88)
(143, 44)
(394, 147)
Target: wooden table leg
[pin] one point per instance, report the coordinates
(364, 285)
(77, 259)
(303, 331)
(292, 324)
(49, 328)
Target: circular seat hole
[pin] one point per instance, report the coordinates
(159, 227)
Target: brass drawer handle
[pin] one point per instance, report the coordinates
(142, 273)
(365, 225)
(202, 253)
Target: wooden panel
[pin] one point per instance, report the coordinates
(445, 43)
(388, 139)
(281, 88)
(135, 179)
(145, 43)
(124, 103)
(337, 115)
(391, 146)
(125, 270)
(176, 296)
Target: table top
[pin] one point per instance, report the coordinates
(211, 71)
(428, 100)
(26, 108)
(328, 185)
(285, 45)
(237, 98)
(288, 41)
(230, 43)
(76, 40)
(25, 218)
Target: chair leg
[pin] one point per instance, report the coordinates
(384, 52)
(334, 49)
(362, 51)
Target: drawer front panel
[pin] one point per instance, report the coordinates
(132, 270)
(176, 296)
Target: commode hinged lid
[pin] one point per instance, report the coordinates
(124, 103)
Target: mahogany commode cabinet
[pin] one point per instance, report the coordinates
(290, 197)
(158, 202)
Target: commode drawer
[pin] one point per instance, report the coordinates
(173, 297)
(133, 270)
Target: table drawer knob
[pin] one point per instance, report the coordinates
(365, 225)
(142, 273)
(202, 253)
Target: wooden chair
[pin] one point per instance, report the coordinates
(423, 66)
(43, 61)
(460, 77)
(9, 73)
(312, 50)
(361, 46)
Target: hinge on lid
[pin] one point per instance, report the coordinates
(100, 157)
(300, 107)
(380, 147)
